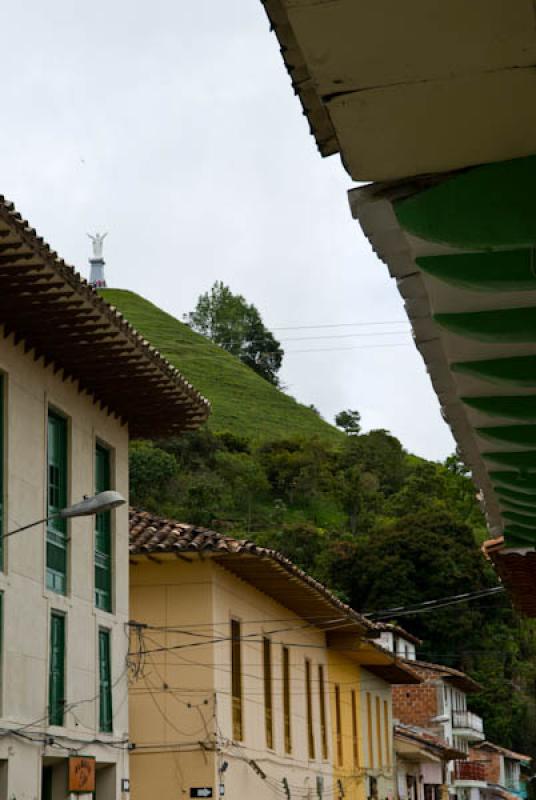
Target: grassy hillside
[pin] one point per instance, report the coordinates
(242, 402)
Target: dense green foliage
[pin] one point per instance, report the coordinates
(378, 526)
(241, 399)
(232, 323)
(382, 528)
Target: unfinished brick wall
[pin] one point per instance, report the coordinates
(491, 762)
(415, 705)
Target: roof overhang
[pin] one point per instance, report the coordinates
(58, 318)
(417, 746)
(372, 657)
(157, 538)
(402, 89)
(517, 571)
(307, 598)
(462, 250)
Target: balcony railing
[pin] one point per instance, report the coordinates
(470, 771)
(467, 721)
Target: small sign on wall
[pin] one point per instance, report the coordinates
(81, 774)
(201, 791)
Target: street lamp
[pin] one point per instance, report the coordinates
(99, 503)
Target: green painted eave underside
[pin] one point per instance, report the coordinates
(523, 460)
(524, 520)
(487, 207)
(514, 371)
(519, 537)
(527, 499)
(523, 435)
(500, 325)
(506, 271)
(521, 508)
(521, 482)
(521, 407)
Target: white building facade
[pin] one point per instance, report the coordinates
(64, 429)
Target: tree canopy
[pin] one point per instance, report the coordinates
(229, 321)
(380, 527)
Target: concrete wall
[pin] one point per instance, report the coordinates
(30, 389)
(181, 710)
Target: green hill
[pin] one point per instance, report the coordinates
(242, 402)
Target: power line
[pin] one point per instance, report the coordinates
(430, 605)
(357, 347)
(338, 325)
(343, 336)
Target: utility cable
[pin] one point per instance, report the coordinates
(442, 602)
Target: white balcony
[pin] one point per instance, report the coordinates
(468, 726)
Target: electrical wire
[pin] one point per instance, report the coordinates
(442, 602)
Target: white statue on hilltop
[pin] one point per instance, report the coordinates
(97, 242)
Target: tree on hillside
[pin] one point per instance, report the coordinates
(229, 321)
(349, 421)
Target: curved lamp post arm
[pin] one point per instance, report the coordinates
(89, 506)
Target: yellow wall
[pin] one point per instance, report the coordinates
(345, 673)
(377, 751)
(202, 597)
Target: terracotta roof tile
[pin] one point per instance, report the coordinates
(423, 737)
(503, 750)
(150, 534)
(517, 572)
(455, 676)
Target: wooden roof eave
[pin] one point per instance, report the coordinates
(48, 308)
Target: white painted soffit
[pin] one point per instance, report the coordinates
(413, 87)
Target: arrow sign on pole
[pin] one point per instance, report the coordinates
(201, 791)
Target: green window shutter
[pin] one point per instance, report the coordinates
(56, 689)
(105, 683)
(103, 534)
(2, 422)
(57, 499)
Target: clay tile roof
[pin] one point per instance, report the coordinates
(53, 312)
(396, 629)
(269, 571)
(503, 750)
(517, 571)
(454, 676)
(428, 741)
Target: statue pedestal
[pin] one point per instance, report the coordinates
(96, 274)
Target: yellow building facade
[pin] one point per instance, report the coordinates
(360, 676)
(232, 690)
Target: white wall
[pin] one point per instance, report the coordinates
(30, 389)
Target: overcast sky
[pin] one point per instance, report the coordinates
(174, 127)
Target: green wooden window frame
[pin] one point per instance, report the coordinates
(103, 533)
(56, 682)
(2, 451)
(56, 500)
(105, 682)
